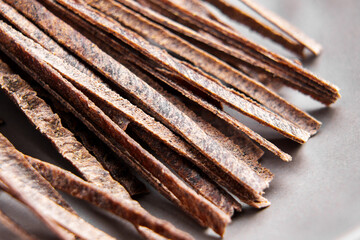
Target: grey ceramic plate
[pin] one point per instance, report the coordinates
(317, 196)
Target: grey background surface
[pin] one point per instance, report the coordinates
(316, 196)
